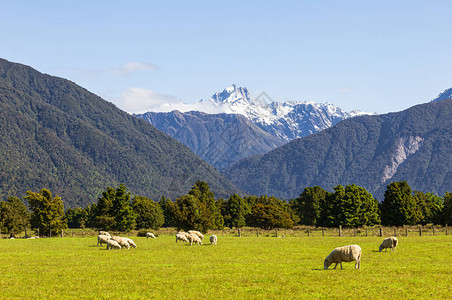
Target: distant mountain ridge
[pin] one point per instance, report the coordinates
(59, 136)
(370, 151)
(219, 139)
(246, 126)
(285, 120)
(447, 94)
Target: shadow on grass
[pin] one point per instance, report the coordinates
(317, 269)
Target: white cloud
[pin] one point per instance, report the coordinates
(346, 90)
(139, 100)
(131, 67)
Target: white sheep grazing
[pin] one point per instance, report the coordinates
(104, 233)
(112, 244)
(131, 242)
(102, 239)
(150, 235)
(193, 238)
(181, 237)
(213, 239)
(121, 241)
(390, 242)
(346, 254)
(186, 234)
(199, 234)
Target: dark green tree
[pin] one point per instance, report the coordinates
(269, 216)
(431, 207)
(76, 217)
(235, 211)
(149, 214)
(308, 205)
(193, 214)
(399, 207)
(201, 191)
(169, 211)
(114, 210)
(447, 210)
(47, 213)
(14, 216)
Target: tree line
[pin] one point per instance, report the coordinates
(117, 210)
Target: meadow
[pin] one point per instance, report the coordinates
(238, 267)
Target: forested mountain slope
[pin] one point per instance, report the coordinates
(57, 135)
(219, 139)
(370, 151)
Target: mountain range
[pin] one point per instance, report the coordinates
(247, 125)
(370, 151)
(219, 139)
(59, 136)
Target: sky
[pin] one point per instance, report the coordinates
(375, 56)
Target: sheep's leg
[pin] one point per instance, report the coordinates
(335, 266)
(341, 265)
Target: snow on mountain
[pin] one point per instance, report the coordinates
(285, 120)
(447, 94)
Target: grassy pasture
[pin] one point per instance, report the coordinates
(246, 267)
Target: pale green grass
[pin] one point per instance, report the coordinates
(237, 268)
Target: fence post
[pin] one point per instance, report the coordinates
(38, 231)
(323, 231)
(395, 232)
(420, 230)
(83, 233)
(354, 231)
(50, 232)
(240, 233)
(340, 230)
(276, 232)
(406, 231)
(433, 229)
(446, 229)
(61, 232)
(257, 233)
(308, 232)
(381, 232)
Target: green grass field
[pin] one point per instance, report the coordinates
(246, 267)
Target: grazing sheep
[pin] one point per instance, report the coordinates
(104, 233)
(199, 234)
(346, 254)
(390, 242)
(193, 238)
(213, 239)
(181, 237)
(131, 242)
(112, 244)
(102, 239)
(121, 241)
(150, 235)
(186, 234)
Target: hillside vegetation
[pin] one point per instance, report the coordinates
(369, 151)
(59, 136)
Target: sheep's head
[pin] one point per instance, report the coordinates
(326, 264)
(381, 248)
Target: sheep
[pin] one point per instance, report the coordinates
(121, 241)
(199, 234)
(131, 242)
(213, 239)
(346, 253)
(390, 242)
(181, 237)
(104, 233)
(112, 244)
(150, 235)
(186, 234)
(102, 239)
(193, 238)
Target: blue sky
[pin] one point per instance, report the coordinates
(377, 56)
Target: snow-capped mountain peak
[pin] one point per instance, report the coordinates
(286, 120)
